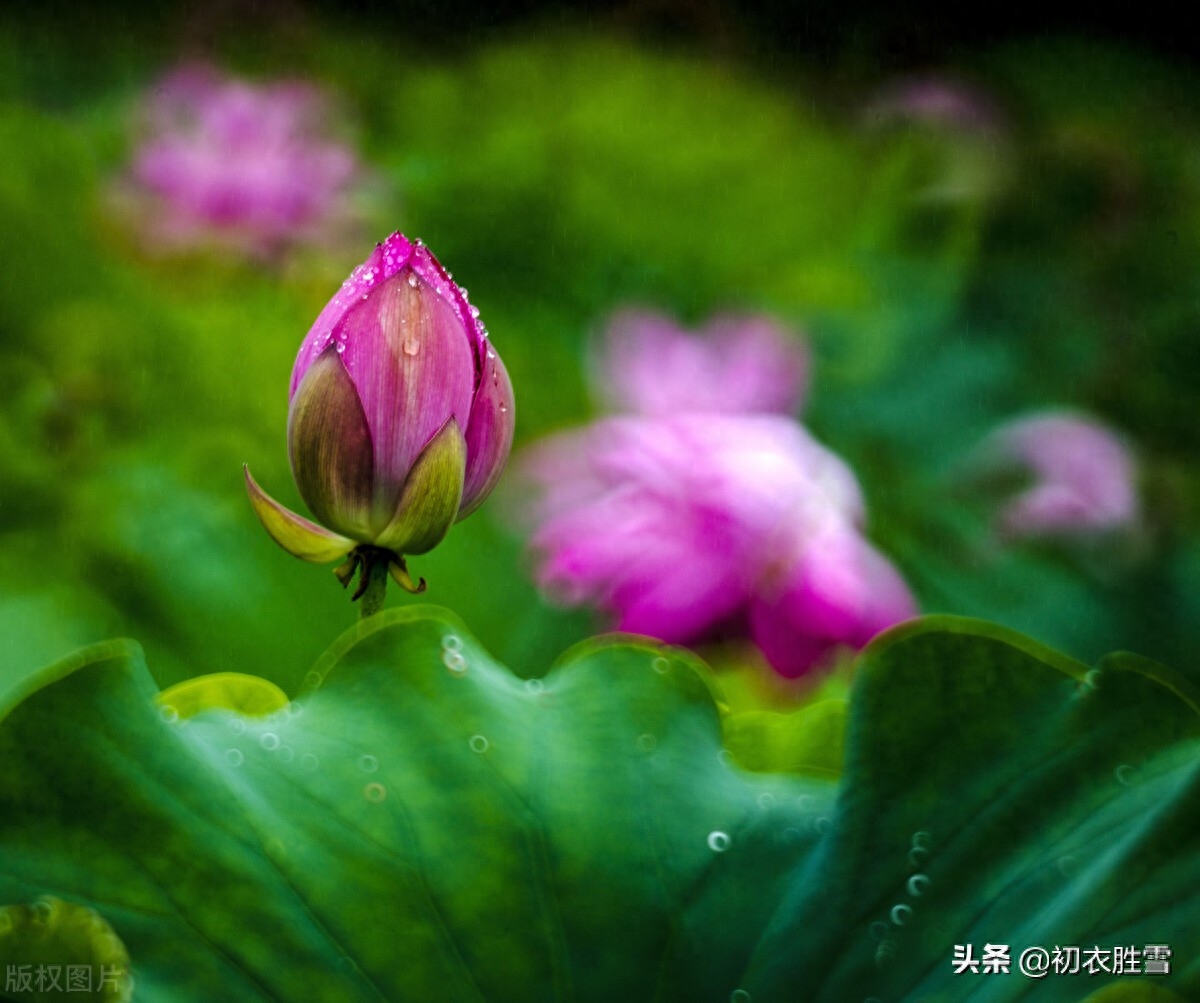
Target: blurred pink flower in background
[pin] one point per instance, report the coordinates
(240, 165)
(1085, 477)
(964, 124)
(690, 526)
(649, 365)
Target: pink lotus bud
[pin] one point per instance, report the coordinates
(401, 416)
(650, 365)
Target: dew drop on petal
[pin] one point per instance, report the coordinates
(917, 855)
(237, 725)
(917, 885)
(368, 764)
(411, 345)
(452, 642)
(375, 793)
(921, 839)
(309, 762)
(534, 686)
(169, 714)
(286, 753)
(823, 824)
(234, 757)
(878, 931)
(412, 280)
(269, 741)
(661, 666)
(1124, 774)
(454, 661)
(739, 996)
(479, 744)
(766, 800)
(718, 841)
(647, 742)
(901, 914)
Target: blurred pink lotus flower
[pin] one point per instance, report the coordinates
(964, 124)
(682, 527)
(937, 102)
(1084, 476)
(649, 365)
(241, 165)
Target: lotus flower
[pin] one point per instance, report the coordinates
(243, 165)
(649, 365)
(1084, 476)
(401, 417)
(682, 526)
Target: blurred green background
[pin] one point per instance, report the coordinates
(949, 278)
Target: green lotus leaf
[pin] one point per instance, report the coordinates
(419, 823)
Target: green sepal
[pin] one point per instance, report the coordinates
(429, 501)
(300, 537)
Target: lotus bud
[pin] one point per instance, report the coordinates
(400, 420)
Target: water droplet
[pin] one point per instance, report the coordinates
(804, 801)
(739, 996)
(917, 885)
(661, 666)
(411, 345)
(901, 914)
(647, 742)
(286, 753)
(725, 757)
(412, 280)
(234, 757)
(921, 839)
(454, 661)
(368, 764)
(269, 741)
(823, 824)
(917, 855)
(237, 725)
(766, 800)
(503, 408)
(478, 743)
(295, 708)
(878, 931)
(313, 679)
(169, 714)
(718, 841)
(452, 642)
(475, 311)
(1124, 774)
(791, 835)
(309, 762)
(42, 910)
(534, 686)
(375, 793)
(463, 290)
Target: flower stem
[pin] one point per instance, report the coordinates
(375, 571)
